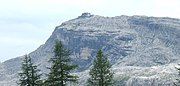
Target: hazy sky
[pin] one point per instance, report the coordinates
(26, 24)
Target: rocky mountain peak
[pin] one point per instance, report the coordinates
(141, 49)
(85, 15)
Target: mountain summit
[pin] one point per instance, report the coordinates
(85, 15)
(143, 50)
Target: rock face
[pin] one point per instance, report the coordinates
(133, 44)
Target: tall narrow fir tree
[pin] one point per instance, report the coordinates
(60, 71)
(177, 83)
(100, 73)
(30, 74)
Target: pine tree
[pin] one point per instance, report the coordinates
(30, 74)
(100, 74)
(177, 83)
(61, 67)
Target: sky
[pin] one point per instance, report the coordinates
(27, 24)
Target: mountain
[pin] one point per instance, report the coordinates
(143, 50)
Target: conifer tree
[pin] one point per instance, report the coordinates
(60, 71)
(100, 74)
(30, 74)
(177, 83)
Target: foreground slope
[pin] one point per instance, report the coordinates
(134, 45)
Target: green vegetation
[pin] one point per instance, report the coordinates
(61, 67)
(61, 70)
(177, 83)
(29, 75)
(100, 74)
